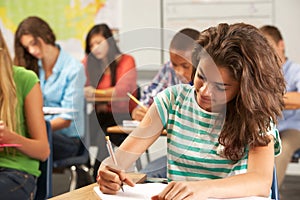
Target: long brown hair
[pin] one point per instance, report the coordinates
(95, 67)
(8, 97)
(38, 28)
(252, 62)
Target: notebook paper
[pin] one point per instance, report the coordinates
(139, 191)
(147, 190)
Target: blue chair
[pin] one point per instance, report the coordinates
(274, 188)
(296, 156)
(72, 164)
(79, 162)
(44, 181)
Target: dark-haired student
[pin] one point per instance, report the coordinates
(62, 80)
(110, 74)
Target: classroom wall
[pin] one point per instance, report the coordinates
(286, 19)
(139, 14)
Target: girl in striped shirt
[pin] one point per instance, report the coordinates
(221, 131)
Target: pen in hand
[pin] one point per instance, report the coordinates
(112, 155)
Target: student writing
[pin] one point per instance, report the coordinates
(221, 133)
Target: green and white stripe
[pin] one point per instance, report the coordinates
(193, 149)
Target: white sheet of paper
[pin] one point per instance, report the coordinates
(57, 110)
(147, 190)
(139, 191)
(131, 123)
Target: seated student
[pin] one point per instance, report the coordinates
(62, 80)
(289, 124)
(21, 122)
(221, 130)
(113, 74)
(178, 70)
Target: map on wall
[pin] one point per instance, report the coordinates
(69, 19)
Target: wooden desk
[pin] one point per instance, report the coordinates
(87, 192)
(126, 130)
(105, 99)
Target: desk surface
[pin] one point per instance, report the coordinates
(87, 192)
(105, 99)
(125, 130)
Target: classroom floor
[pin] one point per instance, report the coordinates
(290, 189)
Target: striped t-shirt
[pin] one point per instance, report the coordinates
(194, 152)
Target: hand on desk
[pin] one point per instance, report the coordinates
(183, 190)
(89, 92)
(138, 113)
(110, 179)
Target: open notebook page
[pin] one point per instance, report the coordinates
(146, 191)
(139, 191)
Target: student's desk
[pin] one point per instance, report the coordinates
(87, 192)
(104, 99)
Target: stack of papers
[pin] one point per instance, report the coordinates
(130, 123)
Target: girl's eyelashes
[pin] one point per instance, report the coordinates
(220, 88)
(217, 86)
(201, 77)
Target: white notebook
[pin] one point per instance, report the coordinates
(139, 191)
(146, 191)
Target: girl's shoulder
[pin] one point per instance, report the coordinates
(21, 73)
(126, 57)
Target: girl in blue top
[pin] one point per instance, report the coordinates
(221, 134)
(62, 81)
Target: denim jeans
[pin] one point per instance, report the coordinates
(157, 168)
(15, 184)
(64, 147)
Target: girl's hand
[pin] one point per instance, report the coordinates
(187, 190)
(89, 92)
(138, 113)
(5, 135)
(110, 180)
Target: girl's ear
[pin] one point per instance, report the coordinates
(281, 46)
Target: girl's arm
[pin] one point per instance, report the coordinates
(133, 146)
(291, 100)
(256, 182)
(37, 145)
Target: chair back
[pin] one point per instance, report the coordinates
(296, 156)
(275, 190)
(44, 181)
(80, 161)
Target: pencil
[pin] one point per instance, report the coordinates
(112, 155)
(137, 101)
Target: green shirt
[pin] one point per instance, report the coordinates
(11, 158)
